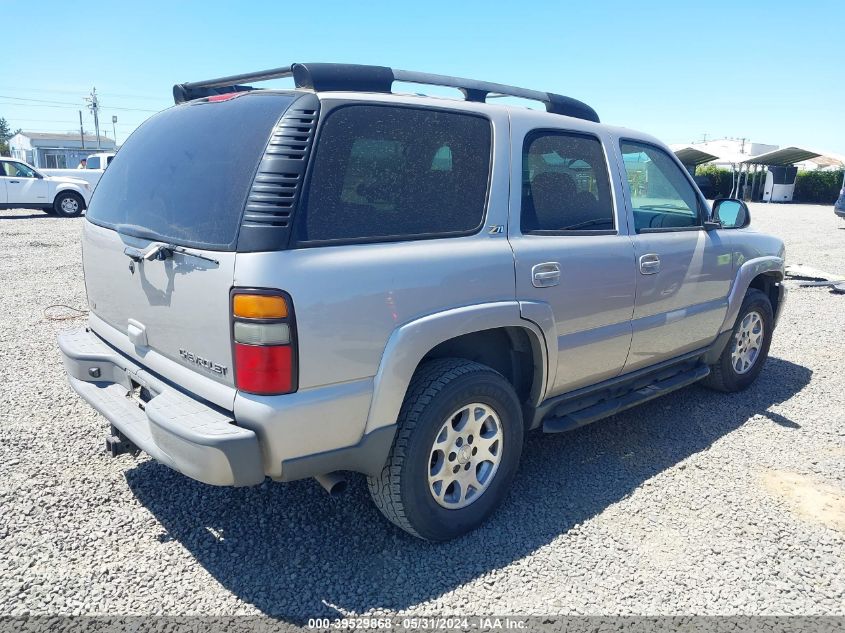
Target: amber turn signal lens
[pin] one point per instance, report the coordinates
(259, 307)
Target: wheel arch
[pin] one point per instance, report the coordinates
(478, 331)
(767, 283)
(64, 188)
(763, 273)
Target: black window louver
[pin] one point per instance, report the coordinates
(277, 186)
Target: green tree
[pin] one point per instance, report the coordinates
(5, 134)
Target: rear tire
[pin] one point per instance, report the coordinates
(68, 204)
(456, 450)
(745, 354)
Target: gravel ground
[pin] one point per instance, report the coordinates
(699, 503)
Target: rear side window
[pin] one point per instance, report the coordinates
(185, 174)
(565, 186)
(93, 162)
(383, 172)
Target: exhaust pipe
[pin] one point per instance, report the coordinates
(333, 483)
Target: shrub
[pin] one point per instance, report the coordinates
(811, 187)
(818, 187)
(721, 179)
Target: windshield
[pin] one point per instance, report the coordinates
(184, 175)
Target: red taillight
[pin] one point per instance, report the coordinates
(264, 369)
(264, 342)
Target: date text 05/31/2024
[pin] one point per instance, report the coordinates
(480, 623)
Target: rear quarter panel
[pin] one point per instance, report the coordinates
(349, 299)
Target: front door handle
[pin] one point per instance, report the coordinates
(649, 264)
(15, 182)
(545, 275)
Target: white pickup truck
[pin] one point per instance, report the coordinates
(24, 187)
(95, 166)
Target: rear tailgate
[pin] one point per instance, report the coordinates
(181, 180)
(177, 308)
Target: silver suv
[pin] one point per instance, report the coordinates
(296, 283)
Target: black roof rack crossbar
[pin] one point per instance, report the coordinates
(355, 77)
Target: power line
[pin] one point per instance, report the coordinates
(38, 100)
(69, 103)
(41, 120)
(76, 92)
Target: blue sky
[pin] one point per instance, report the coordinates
(771, 71)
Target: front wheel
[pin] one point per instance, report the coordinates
(743, 357)
(68, 204)
(456, 450)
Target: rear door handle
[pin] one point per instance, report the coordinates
(649, 264)
(545, 275)
(15, 182)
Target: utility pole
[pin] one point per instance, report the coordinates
(113, 131)
(94, 106)
(81, 131)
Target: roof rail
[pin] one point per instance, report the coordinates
(334, 77)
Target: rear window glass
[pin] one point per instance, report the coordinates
(565, 186)
(394, 172)
(185, 174)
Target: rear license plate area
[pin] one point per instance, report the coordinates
(138, 394)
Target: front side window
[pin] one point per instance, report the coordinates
(383, 172)
(565, 186)
(661, 195)
(16, 170)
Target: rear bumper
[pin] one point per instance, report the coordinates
(173, 428)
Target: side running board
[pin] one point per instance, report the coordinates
(575, 417)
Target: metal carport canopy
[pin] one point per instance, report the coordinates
(693, 156)
(791, 155)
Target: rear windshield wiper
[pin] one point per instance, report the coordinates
(158, 249)
(161, 251)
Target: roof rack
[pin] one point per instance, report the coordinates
(334, 77)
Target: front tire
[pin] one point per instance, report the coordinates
(456, 450)
(68, 204)
(745, 354)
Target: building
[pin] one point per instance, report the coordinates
(50, 150)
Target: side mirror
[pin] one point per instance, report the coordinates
(731, 213)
